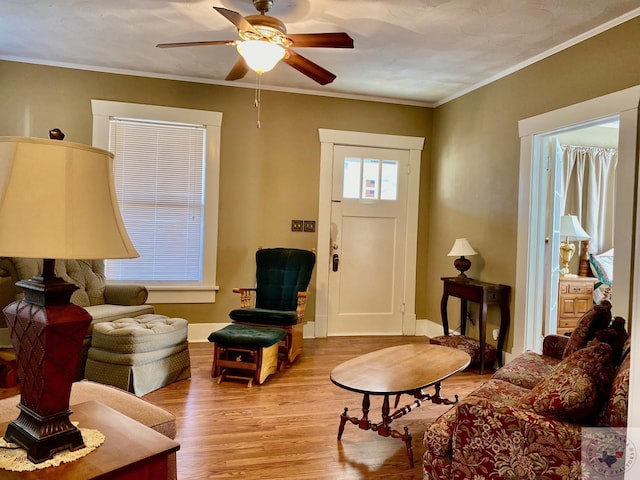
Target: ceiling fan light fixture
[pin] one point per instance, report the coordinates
(260, 55)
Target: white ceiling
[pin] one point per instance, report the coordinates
(413, 51)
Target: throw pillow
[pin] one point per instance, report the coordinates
(575, 388)
(614, 413)
(602, 266)
(597, 318)
(615, 336)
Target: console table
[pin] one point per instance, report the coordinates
(131, 451)
(484, 294)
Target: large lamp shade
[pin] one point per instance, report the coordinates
(57, 200)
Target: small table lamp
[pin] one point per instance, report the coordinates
(462, 249)
(570, 229)
(57, 200)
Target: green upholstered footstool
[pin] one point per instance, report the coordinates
(246, 353)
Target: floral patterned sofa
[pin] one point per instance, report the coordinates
(526, 421)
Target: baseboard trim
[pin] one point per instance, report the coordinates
(428, 328)
(199, 332)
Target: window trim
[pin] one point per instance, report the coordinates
(103, 111)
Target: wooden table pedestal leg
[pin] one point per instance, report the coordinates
(343, 419)
(407, 440)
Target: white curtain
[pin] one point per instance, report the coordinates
(588, 182)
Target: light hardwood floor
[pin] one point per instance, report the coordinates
(286, 428)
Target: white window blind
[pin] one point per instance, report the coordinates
(159, 176)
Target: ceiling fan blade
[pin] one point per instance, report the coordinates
(325, 40)
(237, 19)
(308, 68)
(239, 70)
(196, 44)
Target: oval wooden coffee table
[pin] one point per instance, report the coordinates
(394, 371)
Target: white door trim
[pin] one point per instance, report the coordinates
(329, 138)
(529, 266)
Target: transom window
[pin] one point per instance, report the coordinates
(370, 179)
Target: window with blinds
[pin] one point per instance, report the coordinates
(159, 177)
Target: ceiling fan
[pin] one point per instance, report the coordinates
(268, 36)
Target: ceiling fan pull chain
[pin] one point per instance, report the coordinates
(256, 101)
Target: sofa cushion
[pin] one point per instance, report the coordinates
(574, 389)
(503, 392)
(597, 318)
(496, 441)
(437, 438)
(527, 369)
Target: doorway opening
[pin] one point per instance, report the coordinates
(580, 169)
(531, 267)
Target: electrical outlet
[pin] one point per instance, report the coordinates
(297, 225)
(310, 226)
(496, 331)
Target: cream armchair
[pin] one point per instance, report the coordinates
(104, 301)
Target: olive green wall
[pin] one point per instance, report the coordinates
(476, 151)
(268, 176)
(469, 178)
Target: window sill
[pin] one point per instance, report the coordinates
(181, 294)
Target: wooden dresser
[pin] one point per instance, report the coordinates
(575, 297)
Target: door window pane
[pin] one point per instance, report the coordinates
(389, 180)
(370, 175)
(351, 178)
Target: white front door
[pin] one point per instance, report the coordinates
(368, 241)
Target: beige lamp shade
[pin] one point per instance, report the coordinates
(461, 248)
(571, 229)
(58, 200)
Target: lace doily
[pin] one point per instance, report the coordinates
(14, 458)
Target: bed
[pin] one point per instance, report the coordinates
(601, 267)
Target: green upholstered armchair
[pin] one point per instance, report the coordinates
(280, 296)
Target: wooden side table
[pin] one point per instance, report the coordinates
(484, 294)
(131, 450)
